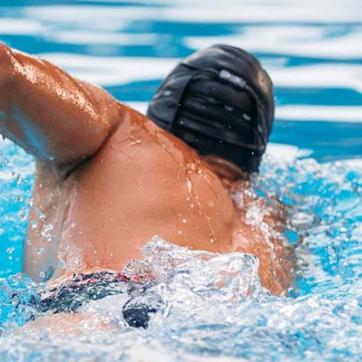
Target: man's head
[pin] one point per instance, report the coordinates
(220, 102)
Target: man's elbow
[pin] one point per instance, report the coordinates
(7, 78)
(6, 64)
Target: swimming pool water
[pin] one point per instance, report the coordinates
(314, 164)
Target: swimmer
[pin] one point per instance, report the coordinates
(109, 178)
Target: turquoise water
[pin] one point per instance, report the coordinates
(314, 165)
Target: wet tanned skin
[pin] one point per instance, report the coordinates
(108, 179)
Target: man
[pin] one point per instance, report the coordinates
(108, 179)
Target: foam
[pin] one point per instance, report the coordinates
(305, 41)
(111, 71)
(196, 11)
(320, 113)
(355, 163)
(17, 26)
(284, 153)
(319, 76)
(106, 38)
(301, 113)
(90, 16)
(259, 13)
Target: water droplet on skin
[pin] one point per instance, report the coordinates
(179, 232)
(39, 251)
(189, 186)
(184, 221)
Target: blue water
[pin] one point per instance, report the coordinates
(314, 165)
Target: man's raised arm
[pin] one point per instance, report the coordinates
(51, 115)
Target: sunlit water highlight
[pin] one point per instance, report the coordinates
(213, 306)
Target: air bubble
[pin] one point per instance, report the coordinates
(10, 250)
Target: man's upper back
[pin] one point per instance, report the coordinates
(142, 182)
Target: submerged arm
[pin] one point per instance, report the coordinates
(51, 115)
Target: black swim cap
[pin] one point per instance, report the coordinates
(220, 102)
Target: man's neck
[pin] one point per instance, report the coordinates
(226, 170)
